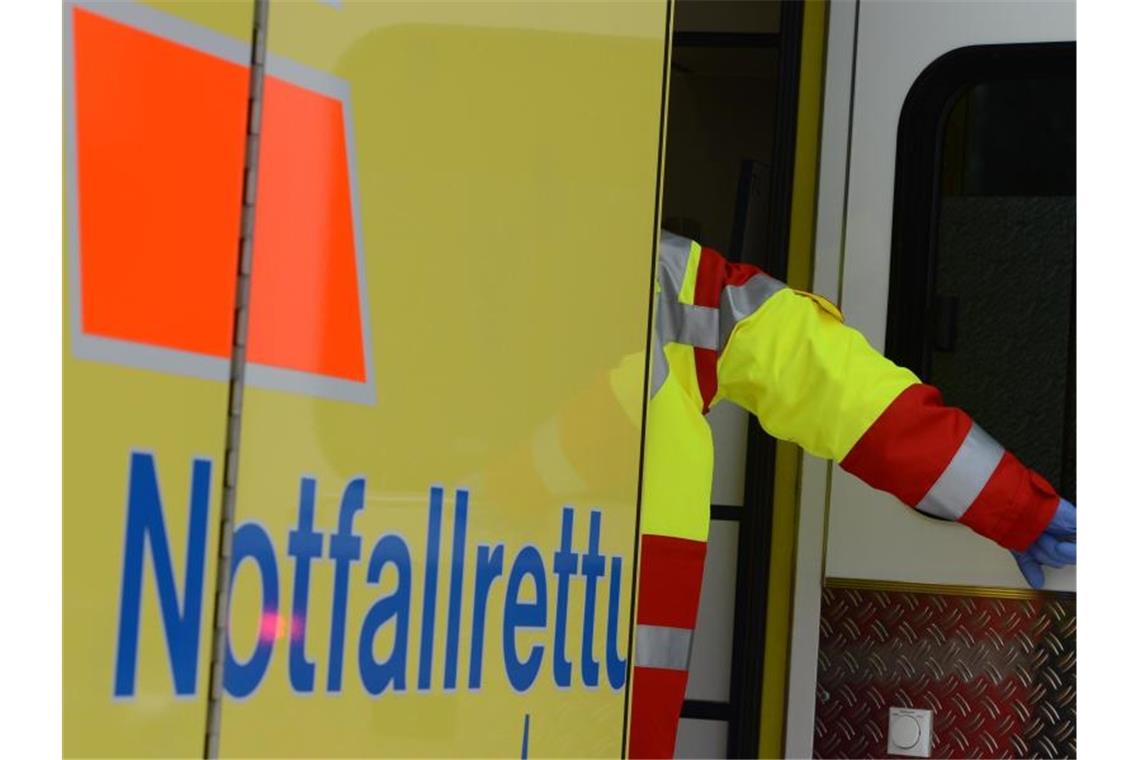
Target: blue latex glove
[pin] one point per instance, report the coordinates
(1056, 547)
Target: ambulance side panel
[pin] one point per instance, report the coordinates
(451, 293)
(155, 123)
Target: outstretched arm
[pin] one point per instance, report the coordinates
(788, 358)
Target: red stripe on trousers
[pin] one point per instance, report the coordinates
(908, 447)
(655, 710)
(668, 593)
(669, 588)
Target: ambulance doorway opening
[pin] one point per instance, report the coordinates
(730, 136)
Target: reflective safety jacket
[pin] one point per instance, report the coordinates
(728, 331)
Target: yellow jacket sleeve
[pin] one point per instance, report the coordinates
(806, 376)
(787, 357)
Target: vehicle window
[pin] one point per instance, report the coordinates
(984, 245)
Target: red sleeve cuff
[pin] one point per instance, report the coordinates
(1014, 507)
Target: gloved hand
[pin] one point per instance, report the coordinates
(1056, 547)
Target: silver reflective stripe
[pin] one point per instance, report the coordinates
(673, 259)
(698, 326)
(686, 324)
(965, 476)
(660, 646)
(660, 364)
(740, 301)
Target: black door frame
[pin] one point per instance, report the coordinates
(754, 542)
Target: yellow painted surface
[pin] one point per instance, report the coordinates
(109, 412)
(785, 498)
(506, 160)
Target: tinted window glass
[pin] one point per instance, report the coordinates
(998, 285)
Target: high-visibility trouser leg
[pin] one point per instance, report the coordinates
(668, 594)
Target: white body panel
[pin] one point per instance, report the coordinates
(876, 50)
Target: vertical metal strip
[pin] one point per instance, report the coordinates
(847, 157)
(789, 459)
(816, 483)
(237, 376)
(754, 549)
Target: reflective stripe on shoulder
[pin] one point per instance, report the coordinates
(676, 266)
(680, 321)
(738, 302)
(677, 262)
(706, 326)
(688, 325)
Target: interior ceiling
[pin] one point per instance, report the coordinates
(755, 17)
(702, 21)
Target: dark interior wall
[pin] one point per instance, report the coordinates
(720, 138)
(721, 113)
(722, 101)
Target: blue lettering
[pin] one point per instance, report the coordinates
(242, 678)
(455, 591)
(593, 567)
(565, 566)
(305, 545)
(431, 575)
(181, 604)
(344, 549)
(488, 567)
(615, 665)
(181, 621)
(378, 676)
(516, 614)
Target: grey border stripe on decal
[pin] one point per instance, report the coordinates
(172, 28)
(153, 358)
(965, 476)
(308, 384)
(312, 383)
(184, 363)
(94, 347)
(71, 179)
(663, 647)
